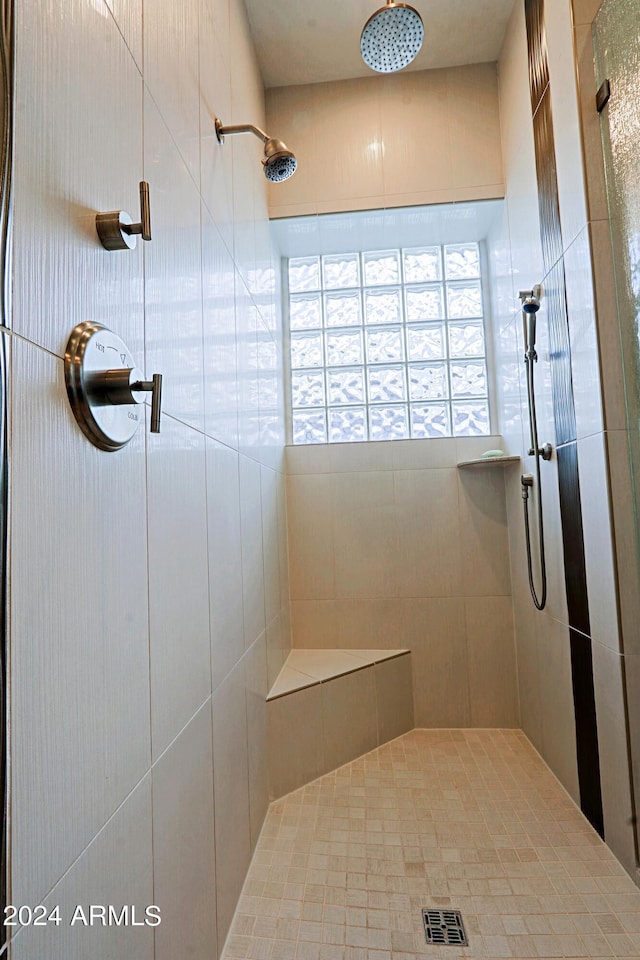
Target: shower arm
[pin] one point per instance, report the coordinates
(222, 130)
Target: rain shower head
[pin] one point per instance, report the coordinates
(392, 37)
(279, 162)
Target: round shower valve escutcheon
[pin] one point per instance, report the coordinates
(105, 389)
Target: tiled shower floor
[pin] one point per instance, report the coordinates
(470, 820)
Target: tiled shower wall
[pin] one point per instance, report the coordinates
(149, 587)
(392, 546)
(429, 136)
(547, 706)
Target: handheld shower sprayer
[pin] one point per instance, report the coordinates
(530, 302)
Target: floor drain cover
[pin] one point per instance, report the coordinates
(444, 927)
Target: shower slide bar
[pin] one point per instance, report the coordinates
(530, 301)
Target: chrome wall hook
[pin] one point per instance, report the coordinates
(116, 229)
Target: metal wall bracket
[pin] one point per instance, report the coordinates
(602, 96)
(104, 387)
(116, 229)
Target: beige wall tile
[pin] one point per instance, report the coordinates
(183, 841)
(231, 794)
(527, 661)
(349, 717)
(311, 544)
(416, 104)
(615, 772)
(598, 547)
(483, 529)
(566, 119)
(225, 560)
(219, 353)
(255, 662)
(474, 125)
(79, 627)
(314, 624)
(493, 691)
(626, 537)
(310, 458)
(365, 536)
(429, 543)
(117, 868)
(365, 130)
(585, 366)
(394, 697)
(370, 623)
(58, 189)
(296, 747)
(171, 72)
(180, 650)
(252, 552)
(349, 137)
(556, 701)
(434, 631)
(270, 542)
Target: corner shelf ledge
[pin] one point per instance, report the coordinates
(487, 461)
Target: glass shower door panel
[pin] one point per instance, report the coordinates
(616, 38)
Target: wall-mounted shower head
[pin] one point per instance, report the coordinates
(392, 37)
(279, 162)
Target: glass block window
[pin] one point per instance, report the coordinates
(388, 345)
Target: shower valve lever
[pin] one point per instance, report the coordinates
(116, 229)
(106, 400)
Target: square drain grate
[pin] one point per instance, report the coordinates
(444, 927)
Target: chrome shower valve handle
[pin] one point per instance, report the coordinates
(105, 388)
(116, 229)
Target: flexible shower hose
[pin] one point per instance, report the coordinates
(539, 602)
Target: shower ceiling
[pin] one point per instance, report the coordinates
(307, 41)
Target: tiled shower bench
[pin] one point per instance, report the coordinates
(328, 707)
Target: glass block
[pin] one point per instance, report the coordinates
(422, 264)
(383, 306)
(471, 419)
(306, 350)
(307, 389)
(425, 303)
(386, 383)
(380, 267)
(469, 379)
(341, 271)
(426, 341)
(466, 339)
(347, 424)
(464, 299)
(430, 420)
(384, 344)
(343, 309)
(305, 312)
(428, 381)
(346, 385)
(344, 347)
(461, 260)
(388, 423)
(309, 426)
(304, 274)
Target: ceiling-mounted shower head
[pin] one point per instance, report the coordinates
(279, 162)
(392, 37)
